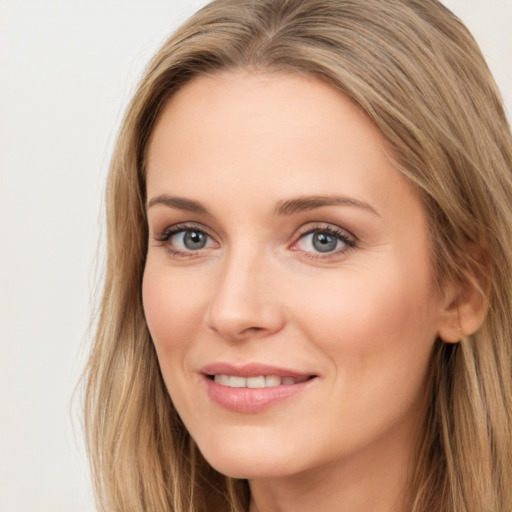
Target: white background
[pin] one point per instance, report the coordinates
(67, 70)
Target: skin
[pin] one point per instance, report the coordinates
(363, 319)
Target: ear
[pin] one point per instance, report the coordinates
(464, 310)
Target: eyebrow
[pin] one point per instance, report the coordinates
(287, 207)
(307, 203)
(180, 203)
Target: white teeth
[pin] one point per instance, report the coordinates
(261, 381)
(222, 379)
(256, 382)
(237, 382)
(272, 380)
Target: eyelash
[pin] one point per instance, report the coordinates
(349, 241)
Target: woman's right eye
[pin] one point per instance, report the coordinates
(185, 240)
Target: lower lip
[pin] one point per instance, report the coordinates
(252, 400)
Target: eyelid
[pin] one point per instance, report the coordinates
(312, 227)
(164, 234)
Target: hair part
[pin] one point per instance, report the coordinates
(416, 72)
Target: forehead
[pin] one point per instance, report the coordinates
(268, 134)
(263, 104)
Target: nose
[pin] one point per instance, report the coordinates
(245, 302)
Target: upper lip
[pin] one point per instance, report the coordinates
(251, 370)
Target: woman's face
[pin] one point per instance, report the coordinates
(288, 287)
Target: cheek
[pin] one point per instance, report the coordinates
(174, 308)
(377, 332)
(372, 323)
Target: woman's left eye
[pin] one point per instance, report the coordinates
(324, 241)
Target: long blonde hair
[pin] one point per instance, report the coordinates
(415, 71)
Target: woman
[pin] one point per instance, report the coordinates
(308, 293)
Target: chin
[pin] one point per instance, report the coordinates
(249, 459)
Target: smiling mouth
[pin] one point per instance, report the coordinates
(260, 381)
(259, 389)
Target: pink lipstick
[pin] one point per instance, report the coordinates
(254, 387)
